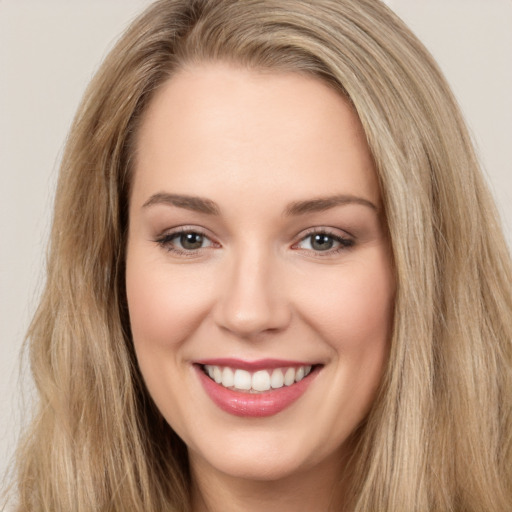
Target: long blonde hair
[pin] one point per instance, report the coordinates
(439, 436)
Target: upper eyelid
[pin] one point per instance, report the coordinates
(178, 230)
(168, 234)
(335, 232)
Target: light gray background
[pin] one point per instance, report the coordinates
(49, 50)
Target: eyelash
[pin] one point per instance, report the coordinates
(166, 242)
(345, 243)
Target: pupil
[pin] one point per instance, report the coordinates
(322, 242)
(191, 240)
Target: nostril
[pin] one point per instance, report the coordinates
(251, 320)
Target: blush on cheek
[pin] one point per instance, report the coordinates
(160, 315)
(354, 309)
(166, 301)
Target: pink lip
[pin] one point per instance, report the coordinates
(252, 366)
(255, 405)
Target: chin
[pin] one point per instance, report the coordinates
(263, 457)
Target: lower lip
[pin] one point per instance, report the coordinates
(254, 405)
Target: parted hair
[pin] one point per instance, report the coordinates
(439, 436)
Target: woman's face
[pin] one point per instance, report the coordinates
(259, 277)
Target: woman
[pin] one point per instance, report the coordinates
(276, 278)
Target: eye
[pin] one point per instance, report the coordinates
(190, 241)
(322, 241)
(184, 241)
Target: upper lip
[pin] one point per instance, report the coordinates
(260, 364)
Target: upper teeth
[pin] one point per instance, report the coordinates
(262, 380)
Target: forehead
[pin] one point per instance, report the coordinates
(251, 130)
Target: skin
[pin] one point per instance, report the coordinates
(254, 143)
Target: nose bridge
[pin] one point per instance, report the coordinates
(252, 300)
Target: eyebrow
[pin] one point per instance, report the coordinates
(209, 207)
(325, 203)
(196, 204)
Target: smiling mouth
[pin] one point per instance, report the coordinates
(237, 379)
(255, 389)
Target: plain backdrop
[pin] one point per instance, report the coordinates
(49, 49)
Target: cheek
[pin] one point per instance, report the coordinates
(353, 307)
(354, 318)
(164, 305)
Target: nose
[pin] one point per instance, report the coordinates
(252, 299)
